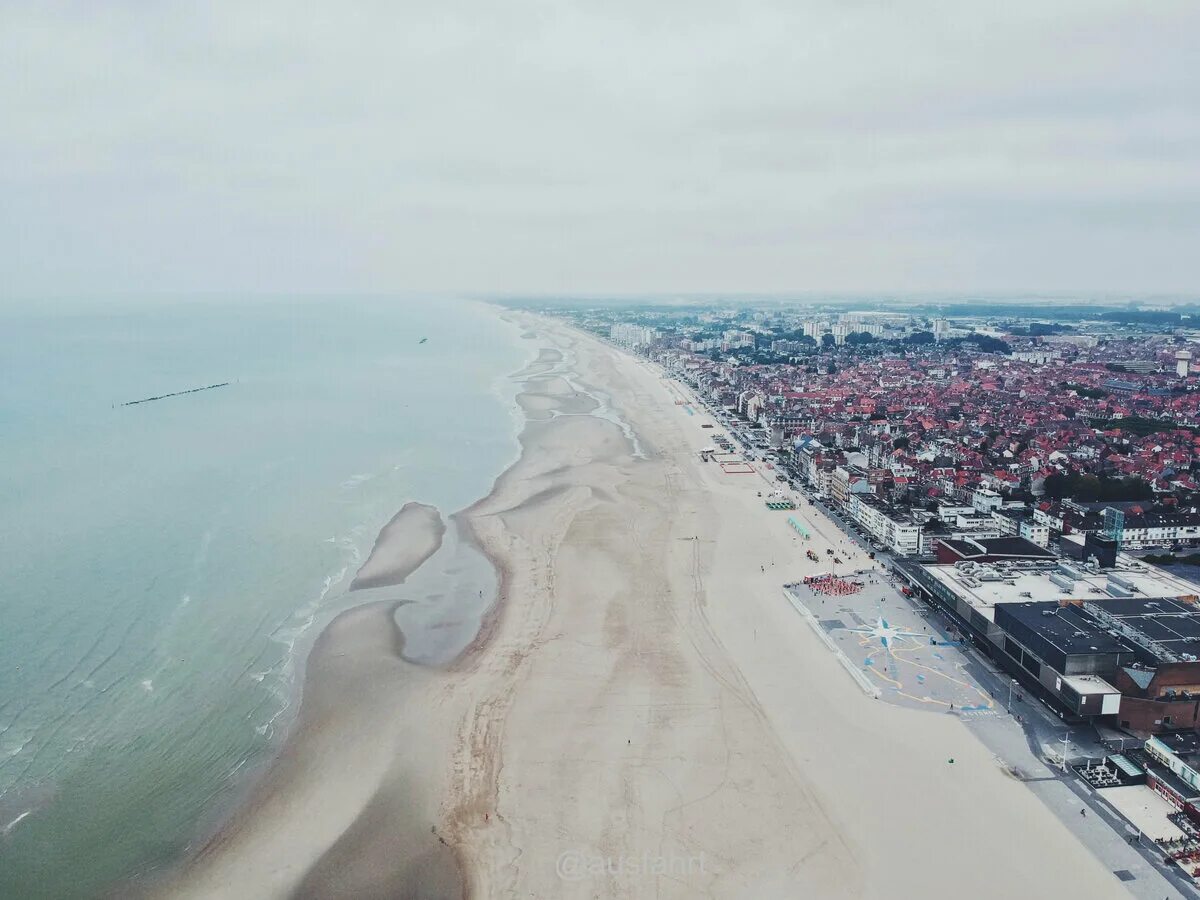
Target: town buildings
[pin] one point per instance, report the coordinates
(1119, 643)
(1010, 472)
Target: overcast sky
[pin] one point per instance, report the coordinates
(608, 146)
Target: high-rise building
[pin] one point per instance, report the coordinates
(633, 335)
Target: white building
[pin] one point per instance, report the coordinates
(737, 340)
(1036, 532)
(1158, 529)
(1183, 361)
(894, 529)
(632, 335)
(985, 501)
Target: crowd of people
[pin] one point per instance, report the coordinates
(832, 585)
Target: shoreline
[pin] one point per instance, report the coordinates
(180, 878)
(140, 725)
(630, 690)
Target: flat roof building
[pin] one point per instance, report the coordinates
(1084, 639)
(1065, 637)
(994, 549)
(984, 585)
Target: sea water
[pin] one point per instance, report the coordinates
(165, 565)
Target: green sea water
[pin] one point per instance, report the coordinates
(166, 565)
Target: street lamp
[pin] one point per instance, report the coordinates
(1011, 683)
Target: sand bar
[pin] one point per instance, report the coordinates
(411, 537)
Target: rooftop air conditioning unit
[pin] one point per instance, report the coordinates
(1122, 582)
(1066, 582)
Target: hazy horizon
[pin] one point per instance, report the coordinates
(587, 148)
(91, 301)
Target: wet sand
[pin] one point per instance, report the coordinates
(412, 536)
(354, 773)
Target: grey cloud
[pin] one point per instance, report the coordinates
(599, 147)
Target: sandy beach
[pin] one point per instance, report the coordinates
(643, 714)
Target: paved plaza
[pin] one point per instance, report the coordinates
(899, 650)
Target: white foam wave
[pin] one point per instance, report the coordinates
(15, 822)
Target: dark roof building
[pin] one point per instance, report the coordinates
(1065, 638)
(984, 550)
(1164, 629)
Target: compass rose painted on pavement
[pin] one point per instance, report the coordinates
(887, 633)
